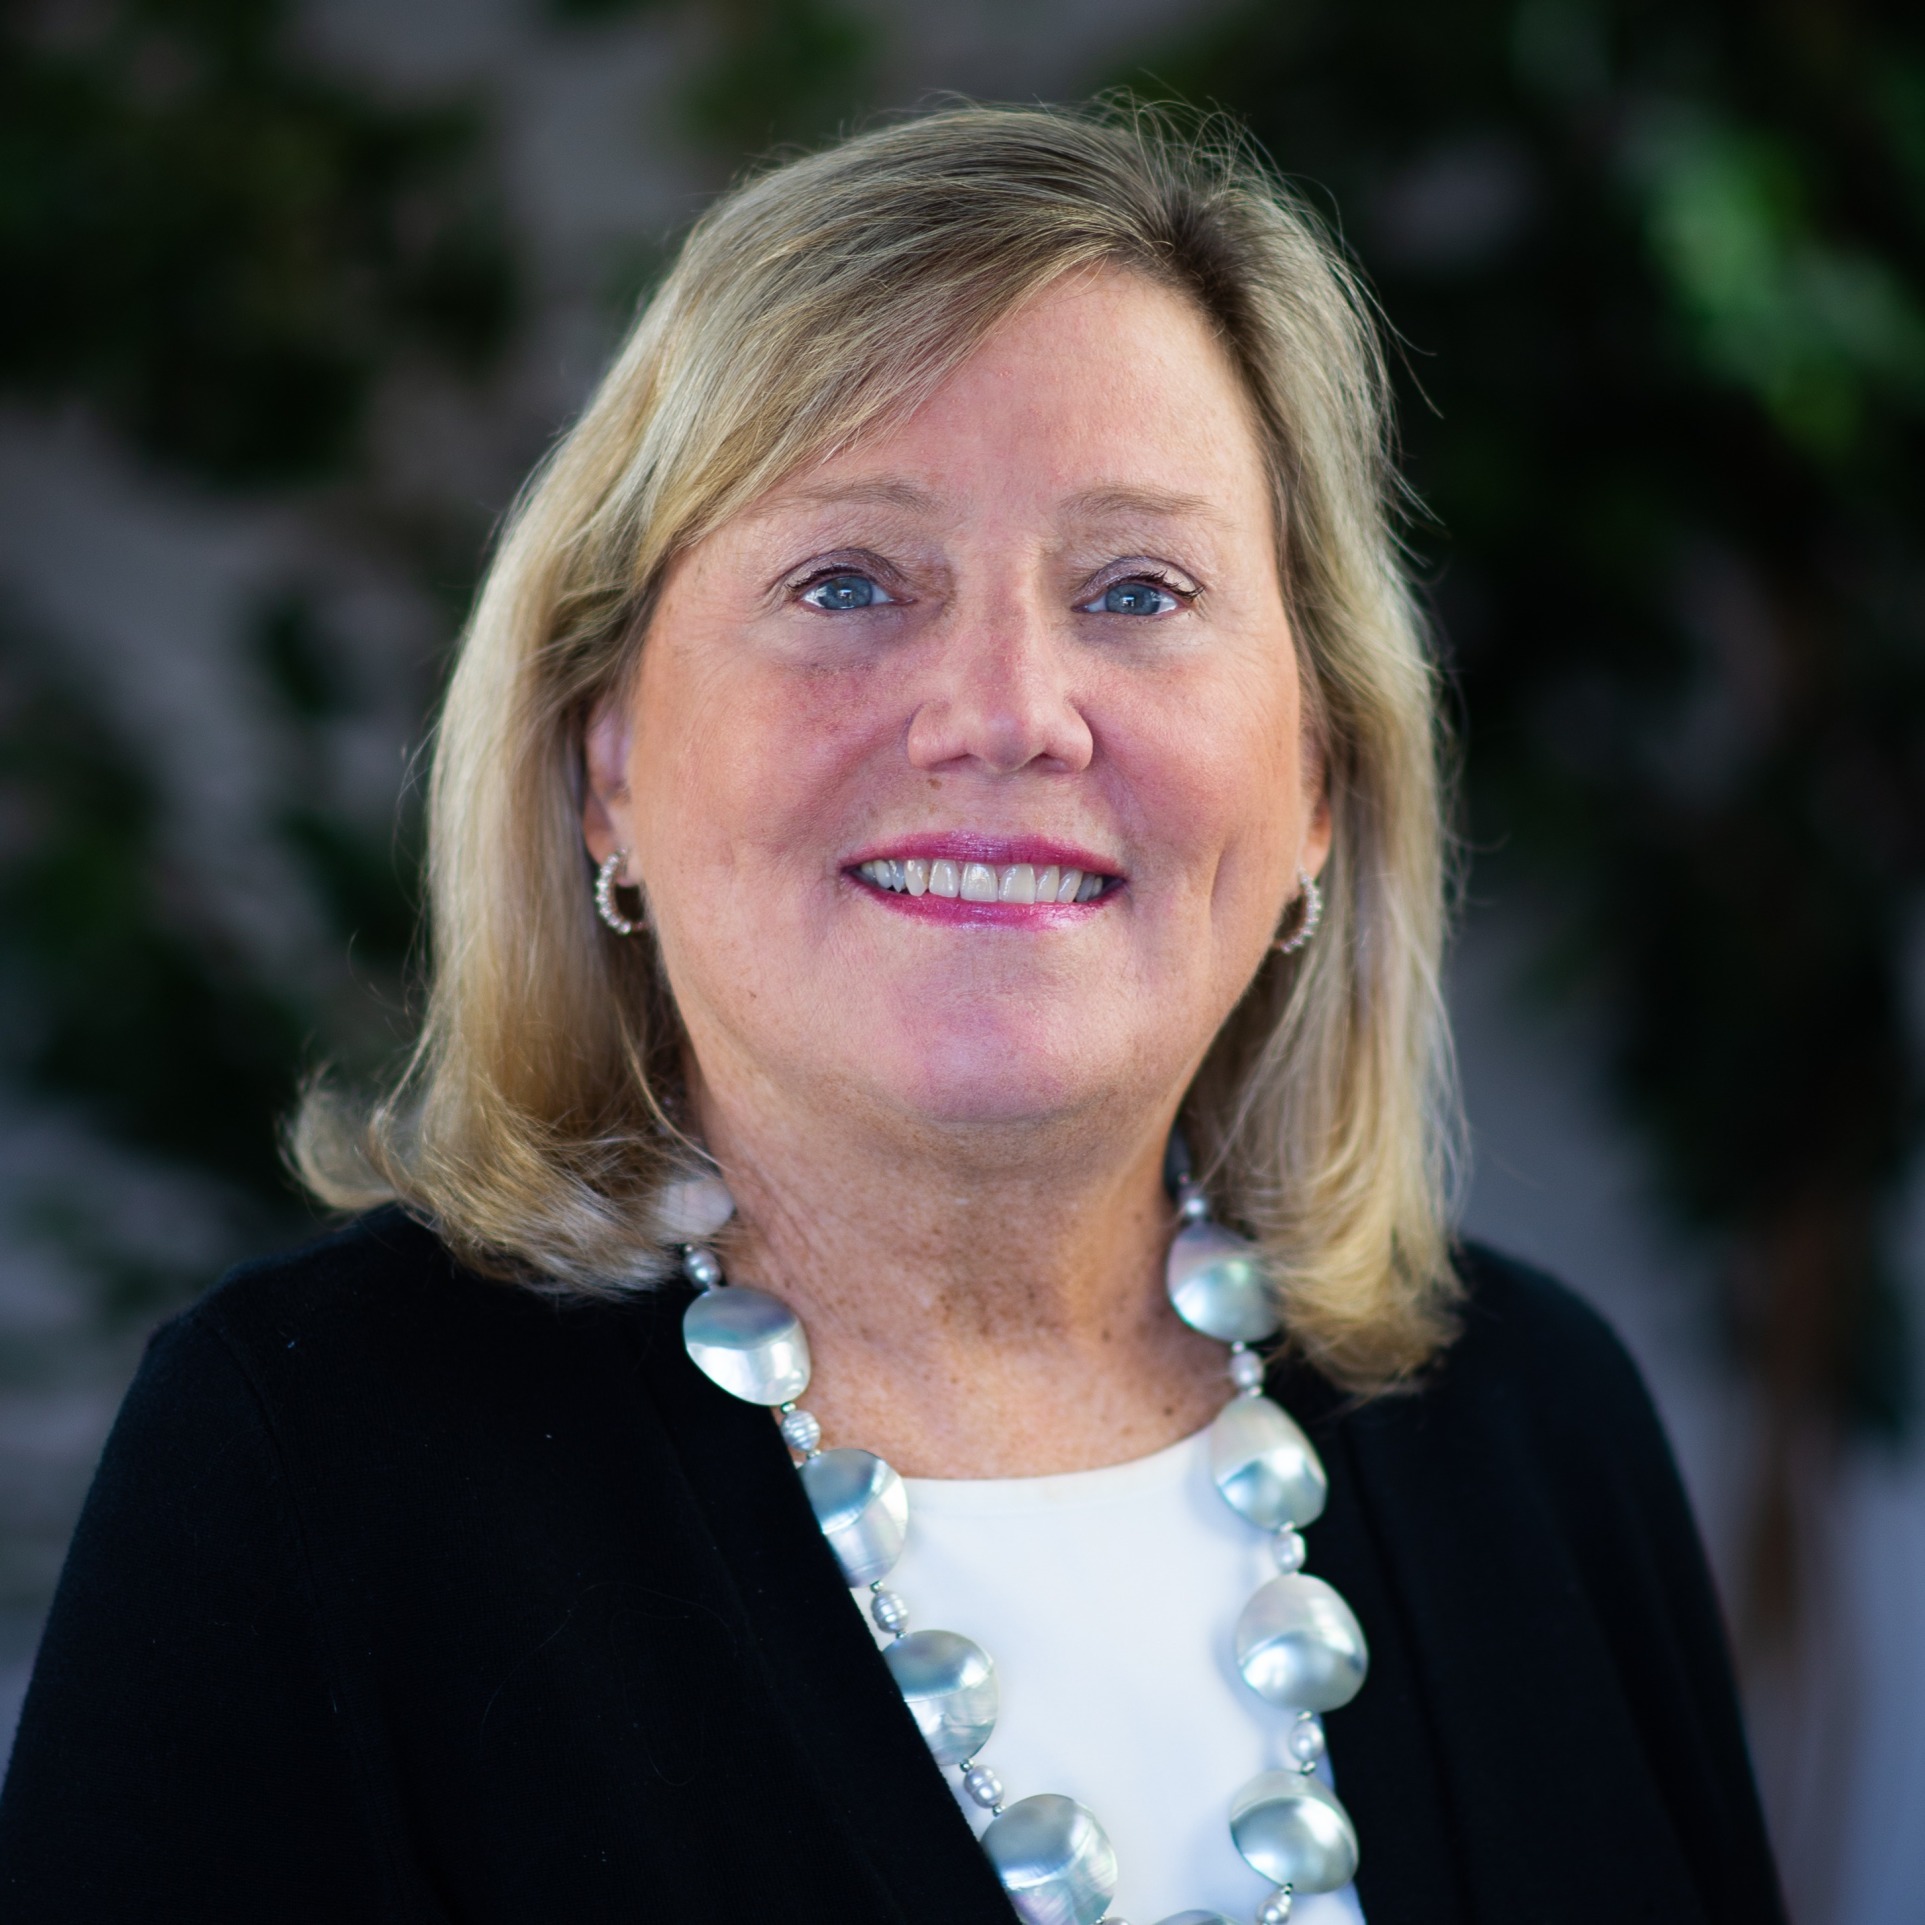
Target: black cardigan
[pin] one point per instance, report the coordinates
(403, 1595)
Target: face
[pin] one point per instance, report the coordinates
(966, 772)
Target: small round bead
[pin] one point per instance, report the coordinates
(1288, 1550)
(1246, 1370)
(890, 1613)
(700, 1267)
(800, 1431)
(1194, 1207)
(1306, 1741)
(1275, 1910)
(984, 1786)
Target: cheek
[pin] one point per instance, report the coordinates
(736, 766)
(1216, 766)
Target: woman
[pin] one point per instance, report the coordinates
(935, 843)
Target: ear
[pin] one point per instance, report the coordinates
(605, 799)
(1316, 837)
(1318, 830)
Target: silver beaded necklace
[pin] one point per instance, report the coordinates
(1298, 1645)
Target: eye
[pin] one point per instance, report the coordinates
(1135, 596)
(839, 593)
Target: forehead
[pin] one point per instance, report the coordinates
(1104, 399)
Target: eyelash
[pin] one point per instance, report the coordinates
(799, 589)
(1152, 577)
(1183, 595)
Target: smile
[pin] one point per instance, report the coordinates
(1016, 882)
(1022, 883)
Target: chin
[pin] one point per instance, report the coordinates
(1004, 1079)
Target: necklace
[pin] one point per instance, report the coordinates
(1297, 1643)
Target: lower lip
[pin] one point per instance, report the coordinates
(987, 915)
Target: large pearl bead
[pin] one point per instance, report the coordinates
(1219, 1286)
(863, 1509)
(1299, 1644)
(749, 1342)
(949, 1685)
(1266, 1468)
(1292, 1829)
(1054, 1859)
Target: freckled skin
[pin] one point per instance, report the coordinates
(946, 1140)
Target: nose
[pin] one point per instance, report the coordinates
(999, 701)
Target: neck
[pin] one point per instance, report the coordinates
(983, 1303)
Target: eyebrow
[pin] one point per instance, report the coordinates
(1106, 503)
(1094, 504)
(881, 491)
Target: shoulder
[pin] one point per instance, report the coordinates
(1525, 1329)
(202, 1383)
(373, 1339)
(382, 1287)
(1535, 1342)
(384, 1262)
(1535, 1437)
(410, 1415)
(1535, 1403)
(1540, 1391)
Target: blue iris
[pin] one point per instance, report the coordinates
(840, 592)
(1135, 598)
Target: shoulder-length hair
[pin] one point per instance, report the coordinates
(538, 1125)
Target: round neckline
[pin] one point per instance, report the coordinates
(1057, 1490)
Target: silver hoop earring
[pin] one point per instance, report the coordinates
(1312, 898)
(607, 880)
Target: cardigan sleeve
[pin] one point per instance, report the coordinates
(1551, 1730)
(1636, 1543)
(183, 1753)
(1609, 1477)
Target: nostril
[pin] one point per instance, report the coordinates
(1000, 734)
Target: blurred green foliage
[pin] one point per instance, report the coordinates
(121, 998)
(221, 248)
(225, 256)
(1659, 271)
(127, 993)
(772, 71)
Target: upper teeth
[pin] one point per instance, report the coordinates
(982, 881)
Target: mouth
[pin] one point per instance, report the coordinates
(984, 879)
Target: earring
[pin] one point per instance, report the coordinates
(607, 880)
(1312, 898)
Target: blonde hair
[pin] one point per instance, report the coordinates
(536, 1125)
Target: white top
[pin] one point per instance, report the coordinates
(1108, 1599)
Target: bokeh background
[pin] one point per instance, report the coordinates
(296, 290)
